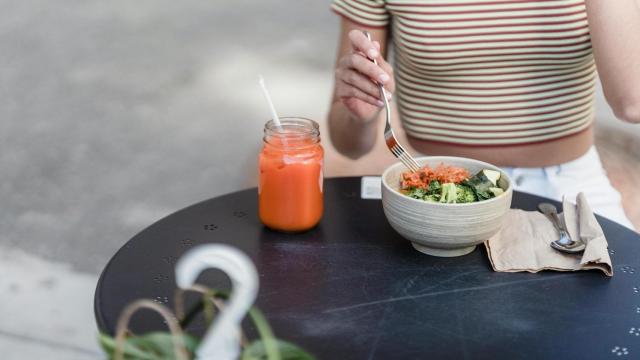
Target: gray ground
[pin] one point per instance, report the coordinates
(116, 113)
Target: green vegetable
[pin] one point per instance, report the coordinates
(492, 175)
(417, 193)
(484, 184)
(434, 187)
(432, 198)
(496, 191)
(449, 193)
(465, 194)
(480, 185)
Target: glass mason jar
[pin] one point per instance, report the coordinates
(291, 175)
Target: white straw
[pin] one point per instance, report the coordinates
(274, 114)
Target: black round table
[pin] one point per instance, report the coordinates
(352, 288)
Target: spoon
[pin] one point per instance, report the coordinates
(564, 243)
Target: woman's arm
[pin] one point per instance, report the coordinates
(356, 102)
(615, 35)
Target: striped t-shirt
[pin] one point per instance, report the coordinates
(487, 72)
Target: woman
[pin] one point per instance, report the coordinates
(510, 82)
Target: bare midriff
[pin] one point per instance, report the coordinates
(548, 153)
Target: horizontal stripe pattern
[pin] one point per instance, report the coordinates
(487, 72)
(366, 12)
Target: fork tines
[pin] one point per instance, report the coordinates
(408, 161)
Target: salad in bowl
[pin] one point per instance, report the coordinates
(451, 184)
(449, 206)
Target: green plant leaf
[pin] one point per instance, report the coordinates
(265, 332)
(288, 351)
(159, 345)
(130, 351)
(199, 307)
(151, 346)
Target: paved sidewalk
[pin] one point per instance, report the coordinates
(47, 309)
(114, 114)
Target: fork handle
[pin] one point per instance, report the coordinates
(383, 92)
(366, 33)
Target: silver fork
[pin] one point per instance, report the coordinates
(392, 143)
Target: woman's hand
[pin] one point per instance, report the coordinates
(357, 78)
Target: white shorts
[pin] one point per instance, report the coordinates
(584, 174)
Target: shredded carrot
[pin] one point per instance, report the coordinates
(442, 173)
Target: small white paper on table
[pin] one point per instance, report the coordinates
(371, 187)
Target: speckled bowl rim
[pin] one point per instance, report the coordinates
(444, 158)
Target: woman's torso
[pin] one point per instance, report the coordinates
(506, 81)
(510, 82)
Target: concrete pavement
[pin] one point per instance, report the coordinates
(114, 114)
(46, 309)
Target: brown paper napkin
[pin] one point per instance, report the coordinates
(523, 242)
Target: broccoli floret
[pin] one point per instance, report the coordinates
(465, 194)
(449, 193)
(432, 198)
(434, 187)
(416, 193)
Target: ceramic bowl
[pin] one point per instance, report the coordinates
(444, 229)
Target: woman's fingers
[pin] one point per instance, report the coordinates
(361, 82)
(347, 91)
(358, 77)
(360, 43)
(386, 67)
(365, 67)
